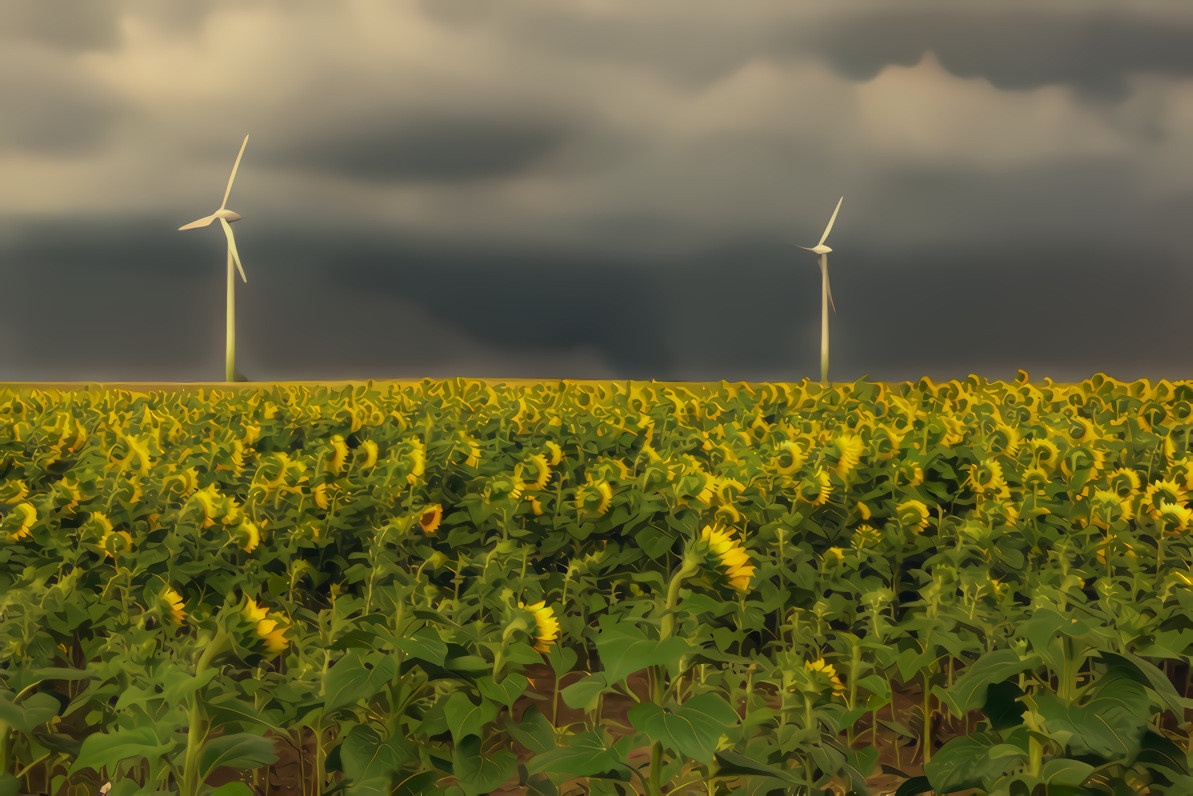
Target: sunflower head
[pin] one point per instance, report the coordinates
(171, 601)
(824, 673)
(546, 625)
(429, 518)
(1173, 518)
(912, 514)
(725, 555)
(1161, 492)
(844, 454)
(266, 625)
(816, 488)
(1124, 483)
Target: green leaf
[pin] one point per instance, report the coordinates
(108, 749)
(968, 691)
(425, 645)
(965, 762)
(233, 789)
(33, 711)
(693, 729)
(479, 773)
(369, 762)
(731, 763)
(507, 691)
(625, 649)
(355, 677)
(534, 731)
(1147, 674)
(561, 659)
(583, 693)
(239, 750)
(465, 718)
(1065, 771)
(586, 754)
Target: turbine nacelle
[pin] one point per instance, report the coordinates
(227, 215)
(821, 249)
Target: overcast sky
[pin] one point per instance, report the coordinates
(596, 189)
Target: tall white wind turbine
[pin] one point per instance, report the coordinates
(826, 293)
(225, 217)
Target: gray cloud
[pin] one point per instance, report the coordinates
(63, 24)
(436, 146)
(1093, 52)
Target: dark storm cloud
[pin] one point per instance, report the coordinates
(520, 298)
(428, 146)
(1093, 52)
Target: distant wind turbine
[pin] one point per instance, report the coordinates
(225, 217)
(826, 293)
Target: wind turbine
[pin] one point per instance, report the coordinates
(225, 217)
(826, 293)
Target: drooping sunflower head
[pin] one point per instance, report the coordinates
(1172, 518)
(727, 556)
(1180, 472)
(172, 602)
(844, 454)
(1081, 463)
(986, 477)
(1047, 454)
(1035, 477)
(913, 514)
(1081, 430)
(824, 672)
(1124, 483)
(1162, 492)
(546, 625)
(266, 625)
(816, 488)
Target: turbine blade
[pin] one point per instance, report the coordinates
(232, 248)
(234, 168)
(202, 222)
(831, 220)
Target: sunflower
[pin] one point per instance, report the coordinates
(826, 670)
(1173, 518)
(172, 601)
(1081, 430)
(267, 629)
(429, 518)
(987, 479)
(1162, 492)
(547, 626)
(1047, 453)
(1124, 483)
(913, 514)
(1181, 473)
(846, 450)
(601, 490)
(730, 555)
(816, 488)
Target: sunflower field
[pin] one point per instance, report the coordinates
(369, 581)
